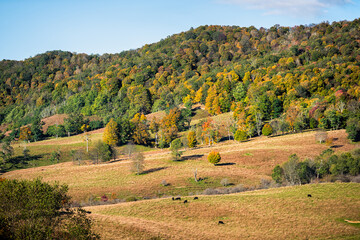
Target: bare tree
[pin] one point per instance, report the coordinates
(87, 139)
(321, 136)
(137, 163)
(195, 176)
(130, 149)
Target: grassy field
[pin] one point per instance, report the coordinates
(280, 213)
(242, 163)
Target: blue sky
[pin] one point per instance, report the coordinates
(30, 27)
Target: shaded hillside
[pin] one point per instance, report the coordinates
(222, 67)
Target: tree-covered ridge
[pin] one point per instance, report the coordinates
(258, 73)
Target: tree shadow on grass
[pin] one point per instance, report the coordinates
(151, 170)
(225, 164)
(20, 162)
(191, 157)
(337, 146)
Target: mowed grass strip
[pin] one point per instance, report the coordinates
(281, 213)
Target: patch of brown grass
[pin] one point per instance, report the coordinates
(251, 161)
(283, 213)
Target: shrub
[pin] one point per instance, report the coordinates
(164, 183)
(267, 130)
(176, 144)
(240, 135)
(214, 157)
(37, 210)
(96, 124)
(277, 174)
(353, 129)
(313, 123)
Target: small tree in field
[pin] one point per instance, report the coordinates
(137, 163)
(321, 136)
(214, 157)
(267, 130)
(175, 147)
(240, 135)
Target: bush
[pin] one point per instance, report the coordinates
(277, 174)
(96, 124)
(214, 157)
(176, 144)
(353, 129)
(267, 130)
(240, 135)
(37, 210)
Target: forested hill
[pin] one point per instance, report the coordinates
(258, 73)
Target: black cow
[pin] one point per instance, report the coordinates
(221, 222)
(196, 198)
(186, 201)
(309, 195)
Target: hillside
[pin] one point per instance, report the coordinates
(242, 163)
(281, 213)
(314, 69)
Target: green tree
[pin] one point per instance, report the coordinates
(214, 157)
(36, 129)
(38, 210)
(6, 152)
(277, 174)
(240, 135)
(100, 152)
(55, 156)
(290, 170)
(353, 129)
(74, 123)
(176, 144)
(267, 130)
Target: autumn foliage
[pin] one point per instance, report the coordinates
(110, 136)
(214, 157)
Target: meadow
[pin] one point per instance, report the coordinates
(245, 163)
(277, 213)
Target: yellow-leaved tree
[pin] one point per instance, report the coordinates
(110, 136)
(140, 134)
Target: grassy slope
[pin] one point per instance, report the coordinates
(282, 213)
(246, 163)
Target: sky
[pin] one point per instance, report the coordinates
(31, 27)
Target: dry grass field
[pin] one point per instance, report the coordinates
(242, 163)
(280, 213)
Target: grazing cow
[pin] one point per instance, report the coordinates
(221, 222)
(196, 198)
(185, 201)
(309, 195)
(178, 198)
(173, 198)
(88, 212)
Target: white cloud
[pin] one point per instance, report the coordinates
(289, 7)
